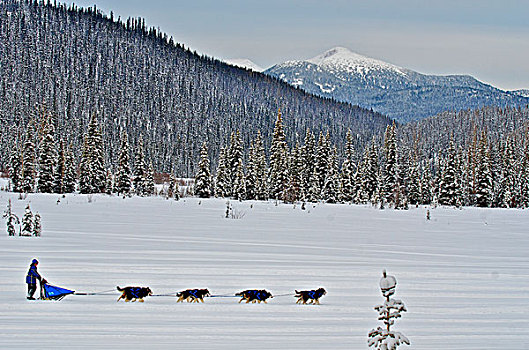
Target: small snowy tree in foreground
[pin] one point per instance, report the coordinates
(384, 338)
(27, 223)
(37, 227)
(11, 220)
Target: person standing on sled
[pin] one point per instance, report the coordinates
(31, 279)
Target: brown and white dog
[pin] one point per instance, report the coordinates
(311, 296)
(134, 293)
(192, 295)
(254, 296)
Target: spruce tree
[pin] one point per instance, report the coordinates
(347, 176)
(383, 338)
(203, 177)
(60, 172)
(69, 172)
(28, 160)
(16, 169)
(123, 175)
(309, 162)
(484, 185)
(150, 187)
(221, 178)
(293, 191)
(97, 160)
(261, 184)
(239, 183)
(172, 186)
(509, 176)
(11, 219)
(323, 162)
(234, 162)
(332, 184)
(390, 180)
(251, 174)
(448, 190)
(47, 159)
(37, 228)
(140, 170)
(27, 222)
(278, 177)
(92, 172)
(370, 176)
(85, 175)
(414, 184)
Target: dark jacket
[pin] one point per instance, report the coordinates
(33, 275)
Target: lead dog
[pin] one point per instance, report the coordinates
(134, 293)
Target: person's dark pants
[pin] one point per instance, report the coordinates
(32, 288)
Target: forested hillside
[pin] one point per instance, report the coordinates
(72, 63)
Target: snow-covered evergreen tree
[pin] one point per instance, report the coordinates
(222, 176)
(239, 183)
(29, 159)
(509, 173)
(11, 220)
(278, 177)
(347, 175)
(390, 179)
(16, 170)
(172, 186)
(308, 152)
(123, 176)
(150, 188)
(203, 177)
(261, 184)
(414, 182)
(332, 182)
(27, 222)
(293, 190)
(448, 190)
(251, 177)
(140, 170)
(47, 159)
(37, 227)
(69, 172)
(92, 171)
(323, 163)
(370, 175)
(60, 171)
(383, 338)
(233, 163)
(484, 184)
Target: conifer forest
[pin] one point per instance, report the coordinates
(81, 110)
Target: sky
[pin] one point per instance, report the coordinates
(488, 39)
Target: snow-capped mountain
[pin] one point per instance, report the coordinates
(521, 92)
(399, 92)
(244, 63)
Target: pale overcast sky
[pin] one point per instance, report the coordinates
(488, 39)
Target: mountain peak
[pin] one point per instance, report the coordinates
(244, 63)
(344, 58)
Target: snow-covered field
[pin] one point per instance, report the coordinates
(464, 275)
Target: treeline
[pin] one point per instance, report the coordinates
(489, 172)
(486, 173)
(75, 62)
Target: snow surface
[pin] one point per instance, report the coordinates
(244, 63)
(464, 275)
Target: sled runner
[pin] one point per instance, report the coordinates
(49, 292)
